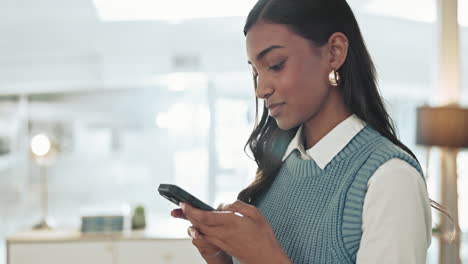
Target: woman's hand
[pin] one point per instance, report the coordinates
(211, 253)
(240, 231)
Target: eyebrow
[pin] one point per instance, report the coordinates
(264, 52)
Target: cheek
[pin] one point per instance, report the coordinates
(304, 93)
(305, 89)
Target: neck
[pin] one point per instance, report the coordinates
(332, 112)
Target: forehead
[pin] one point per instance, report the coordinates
(263, 35)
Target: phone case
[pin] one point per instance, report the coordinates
(176, 194)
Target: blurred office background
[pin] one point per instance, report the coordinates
(138, 93)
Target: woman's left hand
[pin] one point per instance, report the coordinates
(247, 237)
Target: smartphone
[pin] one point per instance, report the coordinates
(176, 194)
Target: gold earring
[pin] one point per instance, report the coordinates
(334, 78)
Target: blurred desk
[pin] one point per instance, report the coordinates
(72, 247)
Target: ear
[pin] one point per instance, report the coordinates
(338, 47)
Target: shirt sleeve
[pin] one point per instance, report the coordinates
(396, 218)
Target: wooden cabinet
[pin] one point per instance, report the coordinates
(72, 248)
(166, 252)
(59, 253)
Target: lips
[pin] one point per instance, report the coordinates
(275, 109)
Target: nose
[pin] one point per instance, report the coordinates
(263, 90)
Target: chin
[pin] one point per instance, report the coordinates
(285, 124)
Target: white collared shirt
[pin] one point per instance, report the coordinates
(396, 217)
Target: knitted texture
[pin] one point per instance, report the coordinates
(316, 214)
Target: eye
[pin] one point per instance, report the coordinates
(278, 66)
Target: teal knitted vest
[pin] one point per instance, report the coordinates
(316, 214)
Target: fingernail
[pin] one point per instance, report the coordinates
(192, 233)
(182, 205)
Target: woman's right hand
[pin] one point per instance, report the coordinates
(211, 253)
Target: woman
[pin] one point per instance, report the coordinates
(334, 184)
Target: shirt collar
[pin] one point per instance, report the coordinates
(330, 145)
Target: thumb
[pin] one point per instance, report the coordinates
(220, 207)
(244, 209)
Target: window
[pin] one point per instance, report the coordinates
(111, 10)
